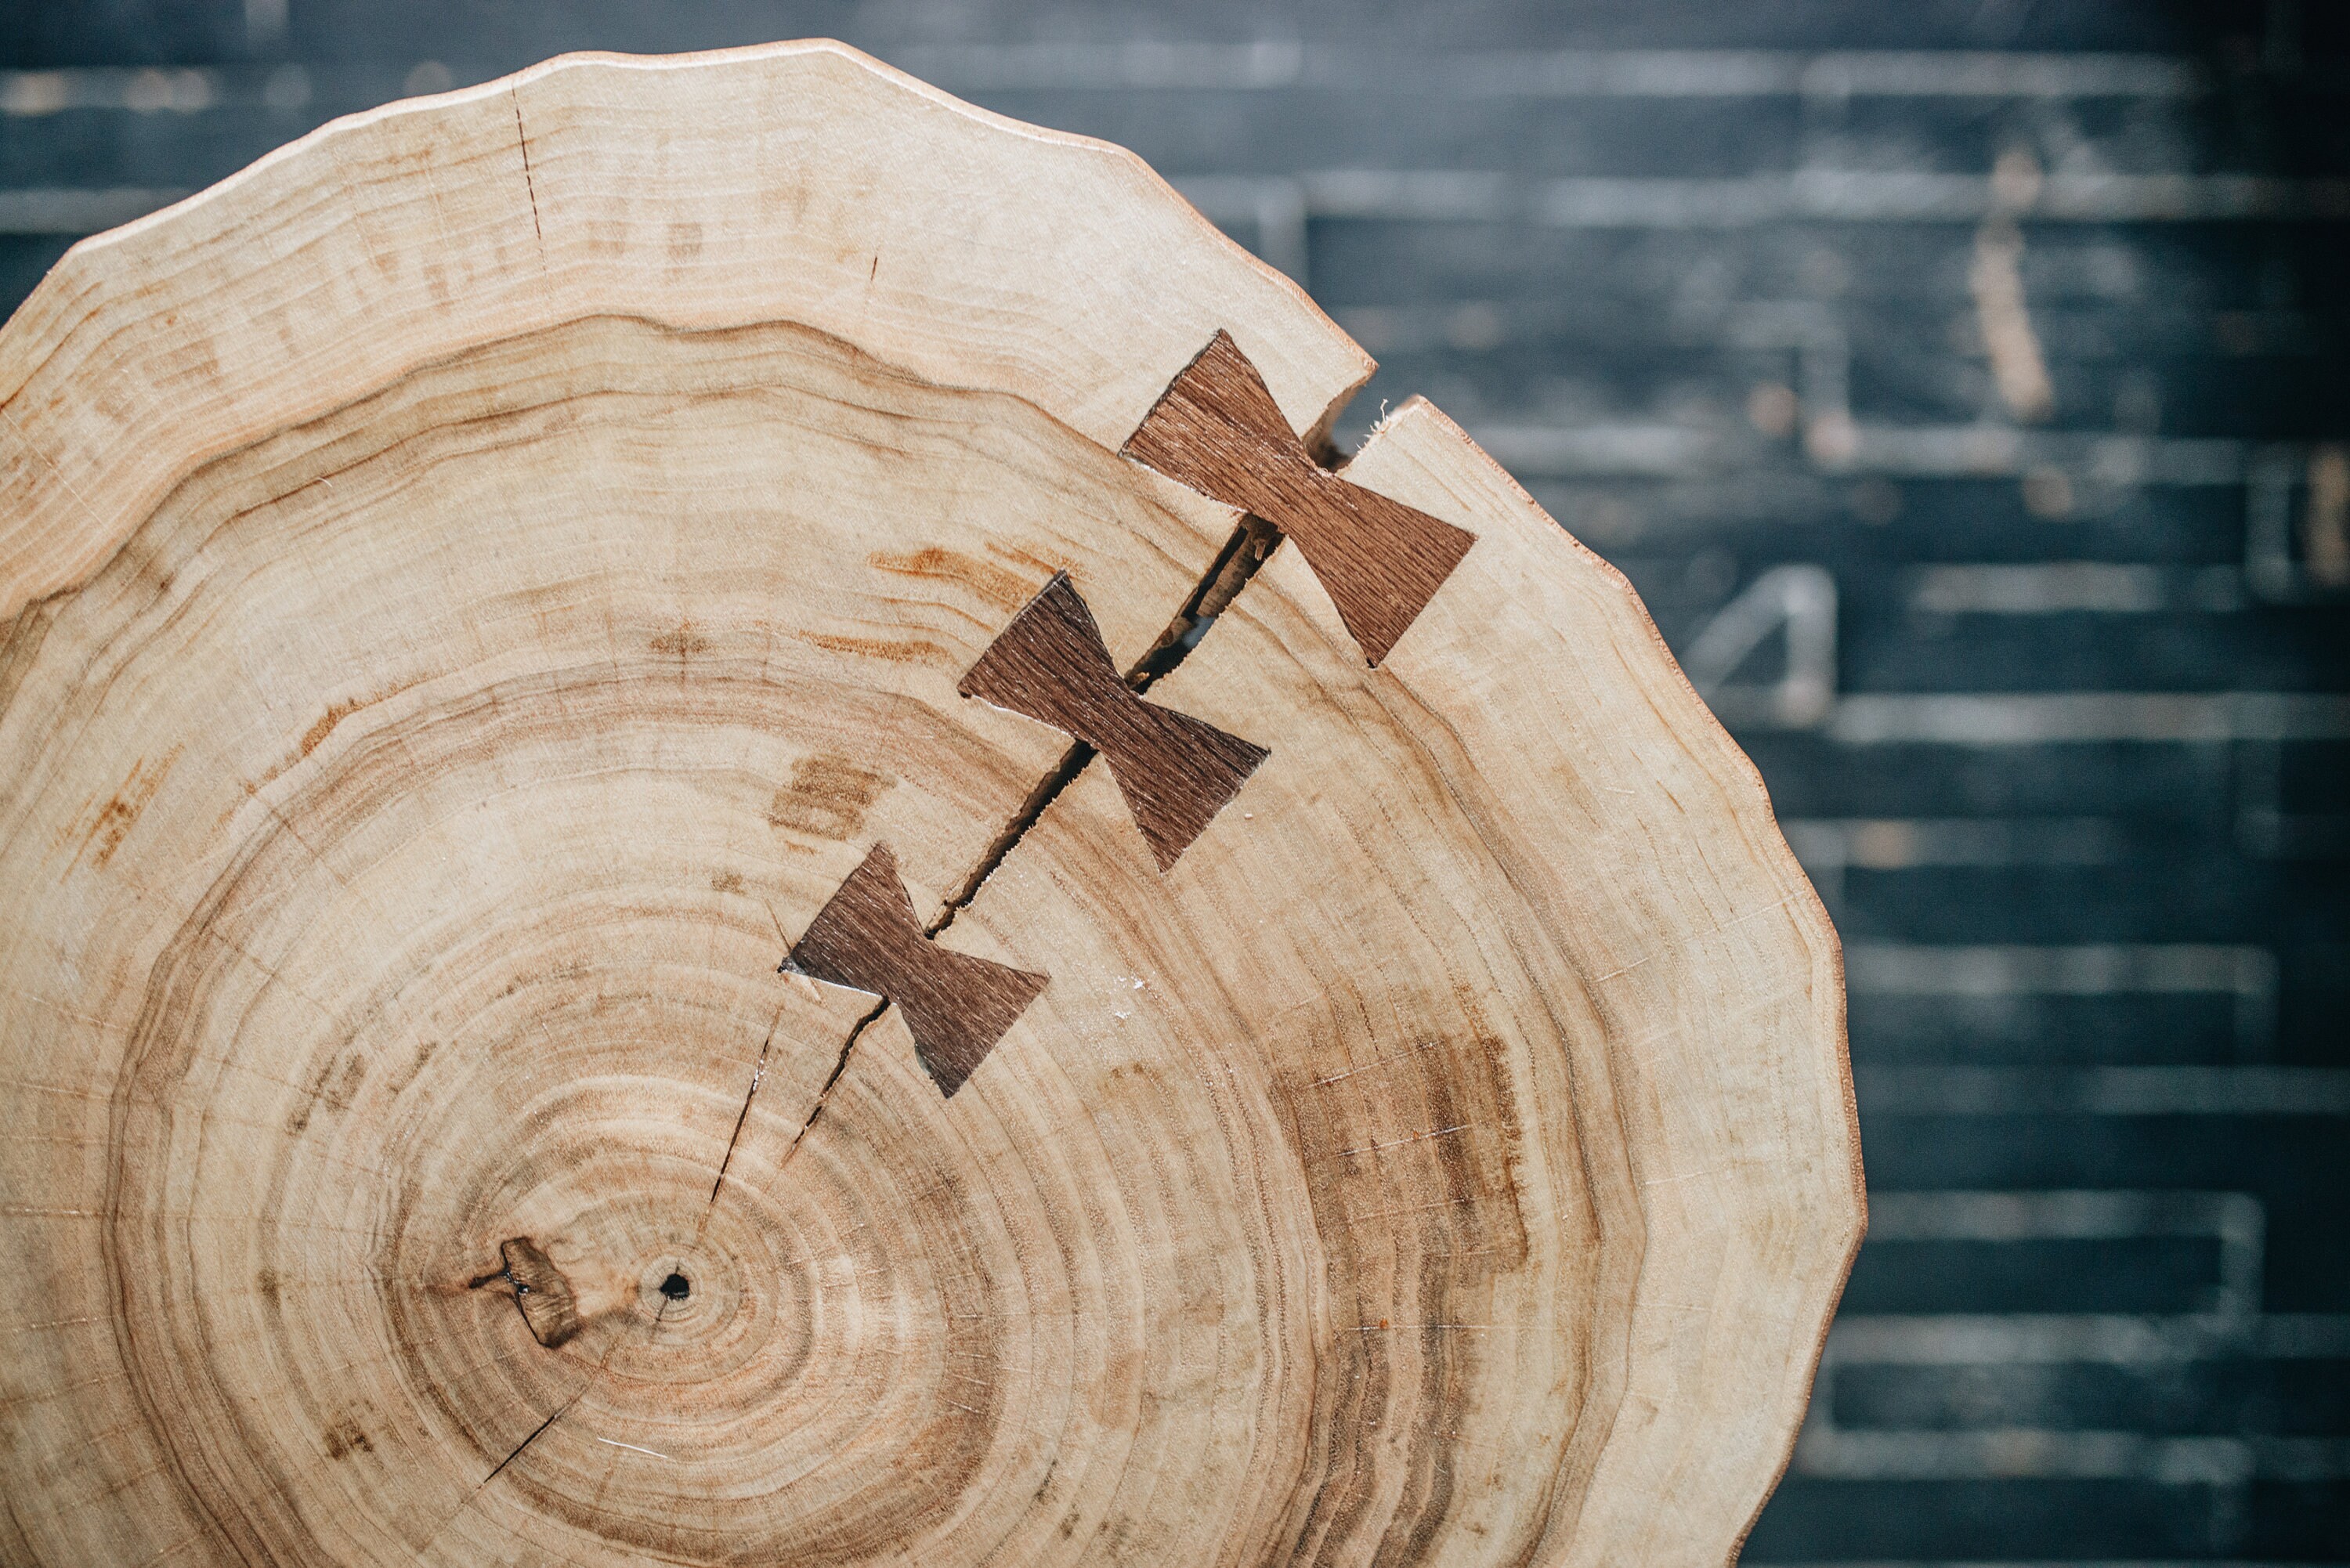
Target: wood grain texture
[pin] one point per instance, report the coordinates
(800, 182)
(462, 631)
(1561, 955)
(956, 1006)
(1220, 430)
(1175, 771)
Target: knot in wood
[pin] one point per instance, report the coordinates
(956, 1005)
(550, 1309)
(1217, 429)
(1176, 772)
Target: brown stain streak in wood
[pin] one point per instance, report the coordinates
(1447, 1172)
(1176, 772)
(335, 714)
(827, 798)
(326, 724)
(326, 1088)
(1004, 588)
(957, 1005)
(346, 1438)
(1218, 430)
(115, 818)
(20, 644)
(758, 1072)
(681, 642)
(898, 651)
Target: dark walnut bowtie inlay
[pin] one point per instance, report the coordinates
(1218, 430)
(956, 1005)
(1175, 770)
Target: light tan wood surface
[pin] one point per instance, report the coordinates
(489, 582)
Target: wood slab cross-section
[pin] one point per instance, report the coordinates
(1175, 771)
(1219, 430)
(477, 585)
(956, 1006)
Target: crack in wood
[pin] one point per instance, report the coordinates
(1252, 543)
(1217, 429)
(839, 1066)
(594, 1374)
(518, 1448)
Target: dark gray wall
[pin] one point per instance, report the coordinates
(2037, 669)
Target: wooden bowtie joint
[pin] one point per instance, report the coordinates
(1217, 429)
(1176, 772)
(956, 1005)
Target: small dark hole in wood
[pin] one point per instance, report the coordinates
(677, 1287)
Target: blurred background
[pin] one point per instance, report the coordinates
(1962, 384)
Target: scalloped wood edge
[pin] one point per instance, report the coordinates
(1420, 456)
